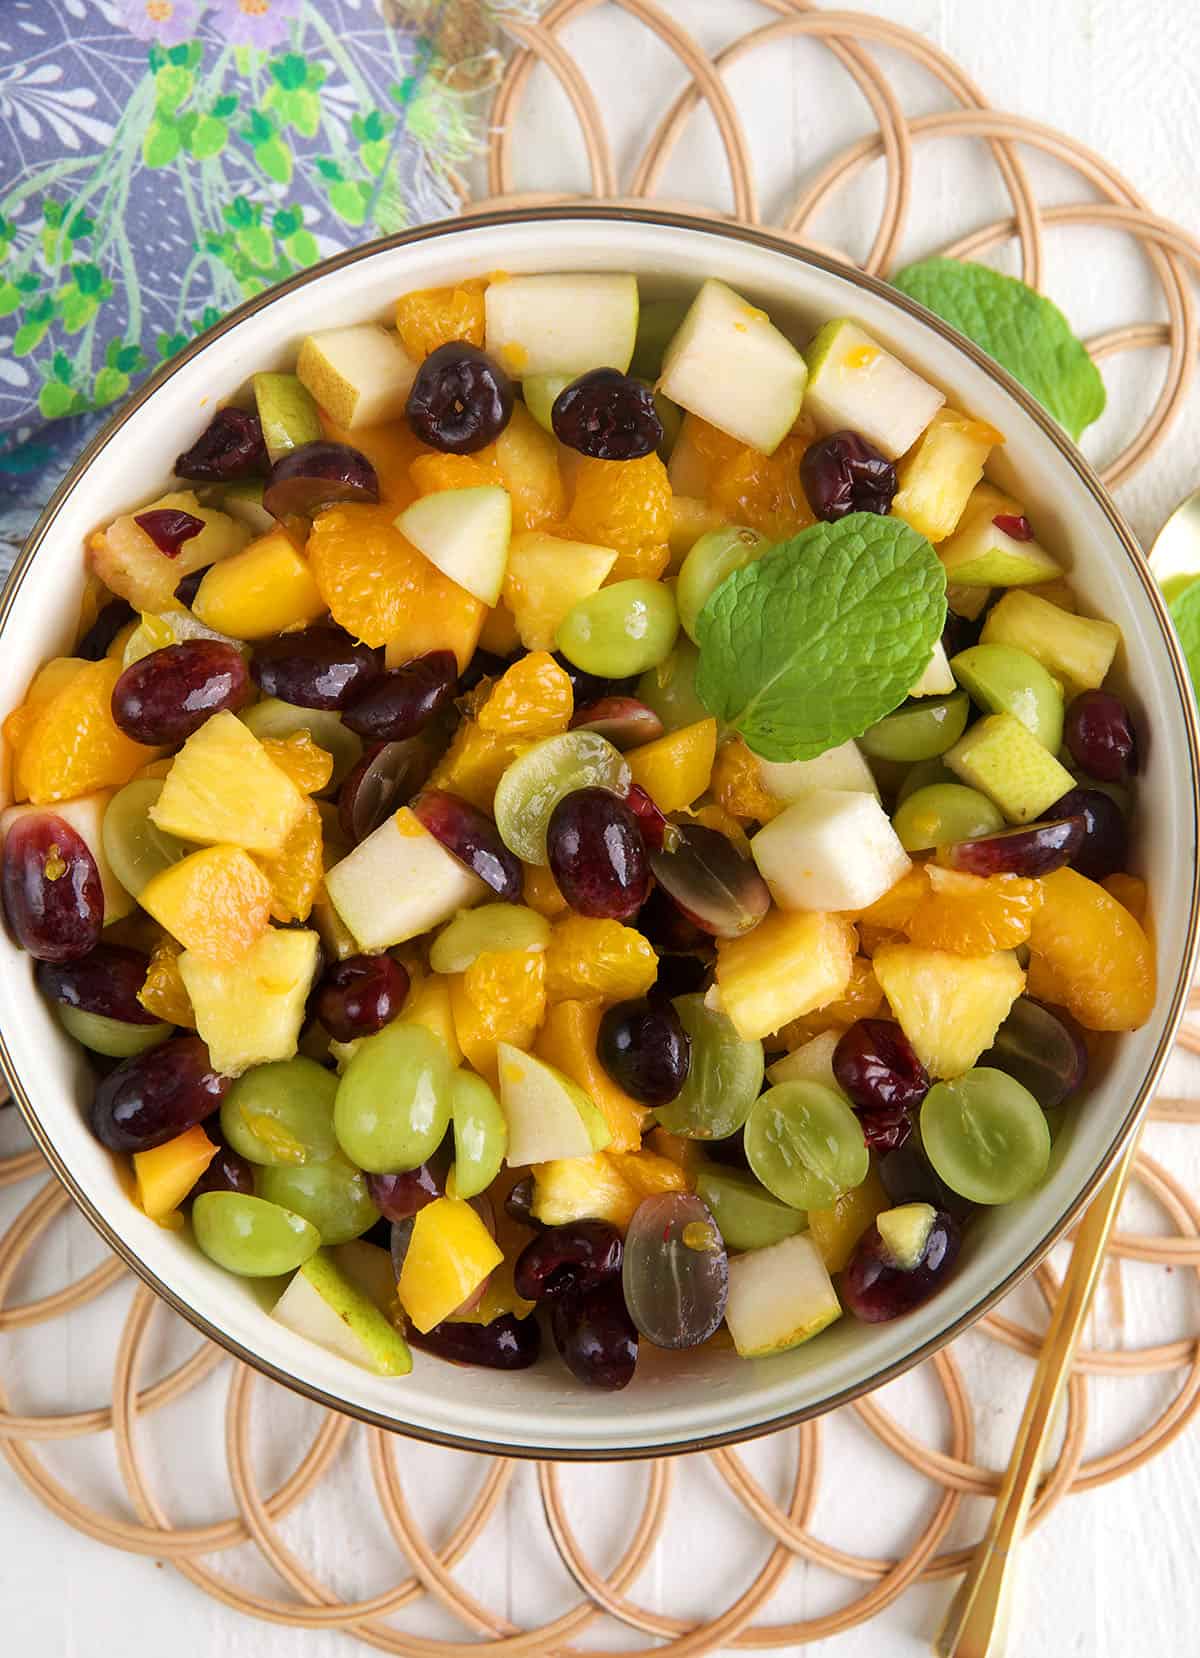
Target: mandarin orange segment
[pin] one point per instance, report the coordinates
(500, 998)
(527, 458)
(164, 993)
(1097, 953)
(974, 914)
(895, 909)
(309, 766)
(1131, 891)
(430, 317)
(297, 872)
(74, 746)
(474, 763)
(432, 472)
(716, 449)
(764, 491)
(531, 699)
(626, 505)
(737, 784)
(216, 902)
(598, 959)
(861, 999)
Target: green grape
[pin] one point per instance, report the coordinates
(805, 1144)
(250, 1236)
(273, 718)
(923, 776)
(986, 1136)
(942, 813)
(714, 557)
(332, 1196)
(539, 392)
(118, 1038)
(919, 730)
(747, 1216)
(537, 780)
(487, 927)
(723, 1079)
(393, 1100)
(670, 689)
(480, 1134)
(658, 323)
(136, 847)
(623, 629)
(282, 1113)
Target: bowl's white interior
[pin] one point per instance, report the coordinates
(675, 1401)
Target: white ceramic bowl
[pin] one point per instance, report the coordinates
(676, 1402)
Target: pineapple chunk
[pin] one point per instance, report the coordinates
(1079, 650)
(674, 770)
(582, 1188)
(249, 1012)
(567, 1041)
(837, 1229)
(224, 788)
(475, 762)
(450, 1254)
(128, 562)
(936, 477)
(1003, 758)
(792, 963)
(949, 1006)
(216, 902)
(528, 461)
(545, 577)
(166, 1174)
(263, 590)
(650, 1172)
(399, 883)
(441, 617)
(360, 375)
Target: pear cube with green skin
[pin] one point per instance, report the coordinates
(562, 324)
(937, 679)
(936, 477)
(250, 1011)
(1004, 680)
(905, 1232)
(466, 533)
(545, 578)
(244, 501)
(399, 883)
(732, 367)
(360, 376)
(854, 384)
(981, 553)
(223, 788)
(949, 1006)
(540, 392)
(324, 1306)
(1079, 650)
(968, 602)
(1004, 760)
(86, 816)
(287, 413)
(833, 849)
(779, 1297)
(131, 566)
(811, 1062)
(548, 1115)
(843, 767)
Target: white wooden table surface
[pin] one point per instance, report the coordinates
(1112, 1575)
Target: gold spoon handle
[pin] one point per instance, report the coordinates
(977, 1623)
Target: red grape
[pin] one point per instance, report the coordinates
(384, 779)
(156, 1095)
(875, 1288)
(1105, 844)
(1099, 733)
(52, 893)
(105, 981)
(322, 667)
(575, 1256)
(1037, 849)
(597, 855)
(398, 1197)
(645, 1050)
(313, 476)
(625, 721)
(710, 881)
(95, 642)
(595, 1336)
(471, 837)
(165, 696)
(404, 700)
(1041, 1049)
(360, 995)
(507, 1343)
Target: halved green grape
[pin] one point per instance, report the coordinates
(136, 847)
(393, 1099)
(480, 1134)
(282, 1113)
(986, 1136)
(1001, 679)
(805, 1144)
(332, 1196)
(746, 1214)
(487, 927)
(919, 730)
(670, 689)
(118, 1038)
(537, 780)
(715, 556)
(942, 813)
(923, 776)
(250, 1236)
(620, 630)
(273, 718)
(723, 1079)
(539, 392)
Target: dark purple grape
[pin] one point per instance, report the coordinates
(169, 528)
(323, 667)
(471, 837)
(575, 1256)
(461, 399)
(1099, 733)
(875, 1288)
(679, 976)
(507, 1343)
(1105, 844)
(165, 696)
(228, 1172)
(230, 447)
(484, 665)
(909, 1177)
(1037, 849)
(959, 633)
(360, 995)
(404, 700)
(518, 1205)
(595, 1336)
(597, 855)
(707, 877)
(380, 1234)
(105, 981)
(398, 1197)
(1042, 1049)
(316, 475)
(186, 592)
(156, 1095)
(587, 687)
(625, 721)
(843, 473)
(730, 1151)
(651, 821)
(52, 893)
(607, 415)
(645, 1050)
(385, 779)
(661, 920)
(117, 613)
(876, 1067)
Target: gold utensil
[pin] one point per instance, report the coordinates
(1175, 555)
(977, 1623)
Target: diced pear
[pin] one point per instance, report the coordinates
(244, 501)
(811, 1062)
(323, 1305)
(936, 477)
(1002, 758)
(562, 324)
(223, 788)
(399, 883)
(730, 365)
(265, 589)
(905, 1232)
(1001, 679)
(1079, 650)
(833, 849)
(982, 553)
(86, 816)
(842, 767)
(949, 1006)
(287, 413)
(968, 602)
(548, 1115)
(466, 533)
(792, 963)
(360, 376)
(779, 1297)
(854, 383)
(128, 562)
(250, 1011)
(567, 1040)
(937, 679)
(545, 578)
(449, 1255)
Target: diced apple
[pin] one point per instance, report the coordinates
(399, 883)
(811, 1062)
(791, 964)
(1079, 650)
(949, 1006)
(128, 562)
(223, 788)
(548, 1115)
(360, 376)
(323, 1305)
(562, 324)
(937, 679)
(244, 501)
(1001, 757)
(982, 553)
(730, 365)
(842, 767)
(546, 576)
(779, 1297)
(250, 1011)
(466, 533)
(86, 816)
(936, 477)
(450, 1254)
(854, 383)
(833, 849)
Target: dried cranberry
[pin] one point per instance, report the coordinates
(230, 447)
(461, 399)
(322, 667)
(162, 698)
(473, 839)
(1105, 844)
(169, 528)
(1014, 525)
(105, 981)
(578, 1255)
(844, 473)
(595, 1336)
(876, 1066)
(597, 855)
(52, 893)
(1099, 733)
(399, 1196)
(360, 995)
(875, 1288)
(403, 701)
(886, 1130)
(645, 1050)
(607, 415)
(95, 642)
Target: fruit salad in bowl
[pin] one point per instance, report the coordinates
(576, 826)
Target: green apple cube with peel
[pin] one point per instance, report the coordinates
(562, 324)
(359, 375)
(466, 533)
(249, 1011)
(854, 383)
(811, 1062)
(1001, 679)
(779, 1297)
(1079, 650)
(830, 850)
(732, 367)
(842, 767)
(86, 816)
(937, 680)
(287, 413)
(981, 553)
(324, 1306)
(1004, 760)
(399, 883)
(548, 1115)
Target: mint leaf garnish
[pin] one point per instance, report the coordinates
(1185, 613)
(825, 635)
(1026, 333)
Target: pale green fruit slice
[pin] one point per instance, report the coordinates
(324, 1306)
(466, 533)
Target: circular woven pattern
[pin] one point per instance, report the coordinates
(950, 1474)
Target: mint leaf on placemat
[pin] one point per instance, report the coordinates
(1026, 333)
(1185, 613)
(823, 636)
